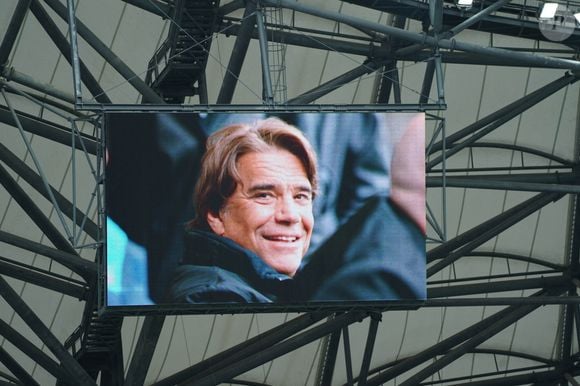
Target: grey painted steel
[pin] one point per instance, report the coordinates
(499, 286)
(481, 128)
(60, 41)
(33, 352)
(479, 182)
(159, 8)
(12, 74)
(427, 82)
(476, 18)
(449, 343)
(43, 280)
(14, 367)
(47, 129)
(279, 349)
(231, 7)
(84, 268)
(508, 218)
(328, 360)
(29, 317)
(144, 350)
(31, 177)
(519, 105)
(238, 55)
(263, 39)
(76, 70)
(523, 149)
(333, 84)
(12, 31)
(245, 349)
(425, 39)
(347, 356)
(34, 212)
(39, 167)
(108, 55)
(369, 347)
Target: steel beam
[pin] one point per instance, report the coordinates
(245, 349)
(84, 268)
(238, 55)
(427, 82)
(47, 129)
(143, 352)
(32, 178)
(451, 44)
(15, 368)
(61, 43)
(524, 149)
(498, 286)
(448, 344)
(279, 349)
(536, 378)
(70, 365)
(333, 84)
(30, 207)
(157, 7)
(366, 362)
(503, 115)
(347, 357)
(328, 359)
(12, 31)
(471, 234)
(13, 75)
(33, 352)
(483, 182)
(267, 94)
(44, 280)
(148, 94)
(472, 20)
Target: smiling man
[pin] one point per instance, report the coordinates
(254, 215)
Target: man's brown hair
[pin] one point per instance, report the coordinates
(219, 173)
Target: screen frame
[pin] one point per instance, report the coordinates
(239, 308)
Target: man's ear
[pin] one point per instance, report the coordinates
(215, 223)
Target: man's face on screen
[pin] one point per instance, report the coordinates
(270, 212)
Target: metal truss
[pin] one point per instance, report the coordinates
(95, 347)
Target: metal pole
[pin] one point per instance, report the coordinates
(451, 44)
(15, 368)
(371, 337)
(157, 7)
(76, 72)
(427, 82)
(481, 182)
(12, 74)
(335, 83)
(43, 280)
(347, 356)
(60, 41)
(12, 31)
(266, 79)
(33, 352)
(46, 129)
(108, 55)
(476, 18)
(143, 352)
(523, 210)
(35, 324)
(328, 359)
(84, 268)
(512, 110)
(238, 55)
(32, 178)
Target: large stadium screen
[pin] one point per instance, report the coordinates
(263, 211)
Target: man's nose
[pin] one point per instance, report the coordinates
(287, 211)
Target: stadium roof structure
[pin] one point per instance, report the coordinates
(498, 86)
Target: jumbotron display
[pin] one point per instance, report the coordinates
(252, 212)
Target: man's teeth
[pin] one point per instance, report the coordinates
(283, 238)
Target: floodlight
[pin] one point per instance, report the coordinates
(464, 4)
(548, 11)
(577, 17)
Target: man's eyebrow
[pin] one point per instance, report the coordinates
(260, 187)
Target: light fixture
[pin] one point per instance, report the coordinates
(464, 4)
(548, 11)
(577, 17)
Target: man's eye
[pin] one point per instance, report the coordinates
(264, 195)
(303, 197)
